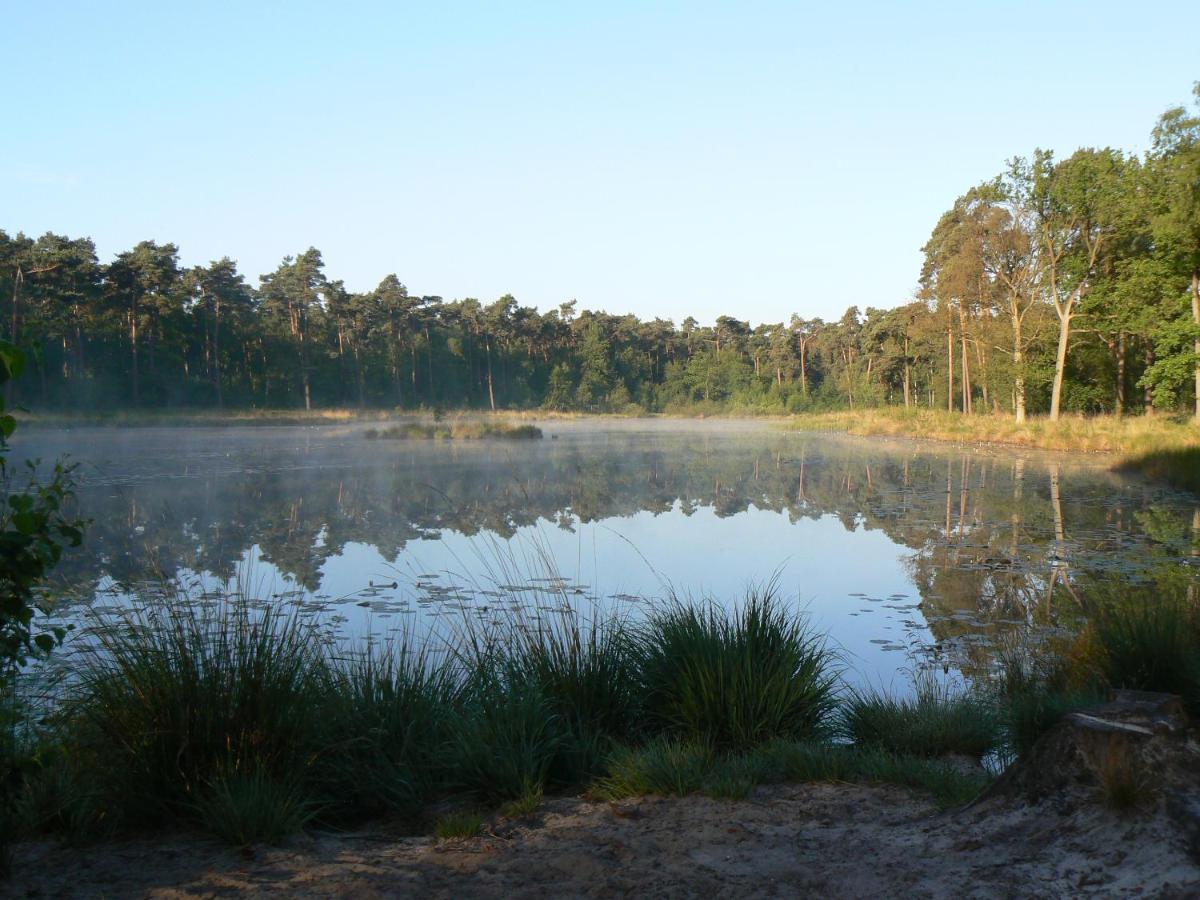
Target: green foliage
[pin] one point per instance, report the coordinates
(735, 678)
(35, 527)
(587, 674)
(506, 738)
(949, 785)
(936, 721)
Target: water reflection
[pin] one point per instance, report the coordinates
(893, 545)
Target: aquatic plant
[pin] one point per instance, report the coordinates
(467, 430)
(736, 678)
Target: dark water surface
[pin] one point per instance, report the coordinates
(904, 553)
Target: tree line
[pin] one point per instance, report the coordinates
(1058, 285)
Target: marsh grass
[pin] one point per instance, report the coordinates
(936, 721)
(674, 768)
(1132, 436)
(524, 806)
(734, 678)
(1033, 688)
(459, 430)
(666, 766)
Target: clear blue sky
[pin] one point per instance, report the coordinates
(753, 159)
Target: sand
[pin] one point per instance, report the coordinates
(815, 840)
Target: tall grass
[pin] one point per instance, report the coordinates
(937, 720)
(175, 699)
(243, 722)
(1034, 687)
(587, 674)
(734, 678)
(1131, 435)
(1151, 643)
(392, 712)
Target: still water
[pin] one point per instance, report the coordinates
(906, 554)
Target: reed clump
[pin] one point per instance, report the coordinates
(462, 430)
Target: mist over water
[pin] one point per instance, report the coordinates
(906, 554)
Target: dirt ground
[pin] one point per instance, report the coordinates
(785, 841)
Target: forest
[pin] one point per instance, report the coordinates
(1058, 285)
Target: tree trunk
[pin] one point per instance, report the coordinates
(216, 352)
(907, 376)
(949, 368)
(1147, 393)
(491, 389)
(966, 365)
(1196, 343)
(1060, 359)
(133, 346)
(1120, 410)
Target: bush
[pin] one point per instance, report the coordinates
(734, 679)
(935, 722)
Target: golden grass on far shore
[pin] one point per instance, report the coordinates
(1160, 447)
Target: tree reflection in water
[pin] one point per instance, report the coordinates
(991, 540)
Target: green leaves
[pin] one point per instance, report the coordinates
(34, 530)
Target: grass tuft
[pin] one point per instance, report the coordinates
(669, 767)
(1150, 642)
(251, 808)
(735, 679)
(936, 721)
(459, 825)
(390, 721)
(180, 697)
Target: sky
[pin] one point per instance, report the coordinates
(665, 159)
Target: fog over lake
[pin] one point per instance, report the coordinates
(904, 553)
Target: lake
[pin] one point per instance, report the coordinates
(906, 554)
